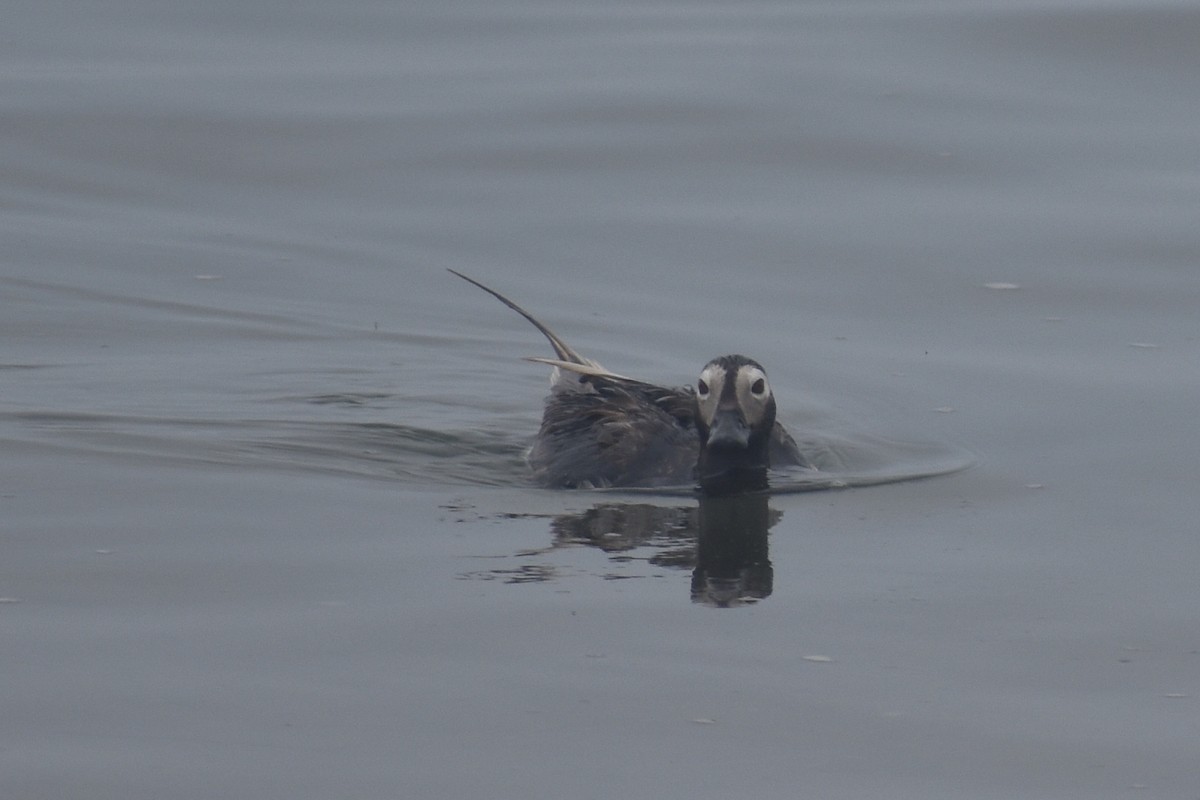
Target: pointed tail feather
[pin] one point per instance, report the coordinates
(561, 348)
(591, 368)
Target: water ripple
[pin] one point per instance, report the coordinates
(418, 455)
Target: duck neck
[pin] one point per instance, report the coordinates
(733, 471)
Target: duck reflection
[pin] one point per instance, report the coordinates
(723, 540)
(621, 528)
(733, 560)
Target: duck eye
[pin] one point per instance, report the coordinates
(702, 388)
(758, 387)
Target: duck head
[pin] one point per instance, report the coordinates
(735, 414)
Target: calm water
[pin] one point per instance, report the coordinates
(264, 529)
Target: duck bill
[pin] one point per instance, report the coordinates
(728, 431)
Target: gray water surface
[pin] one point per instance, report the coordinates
(265, 529)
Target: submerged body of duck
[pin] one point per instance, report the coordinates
(600, 429)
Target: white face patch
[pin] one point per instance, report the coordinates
(751, 392)
(708, 390)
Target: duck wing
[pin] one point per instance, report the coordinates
(624, 433)
(784, 452)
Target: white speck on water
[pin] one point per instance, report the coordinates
(1144, 345)
(1002, 285)
(945, 410)
(1035, 486)
(207, 277)
(9, 600)
(704, 721)
(818, 659)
